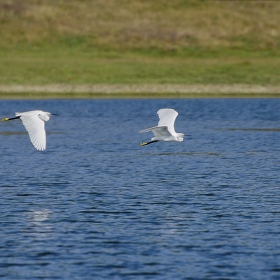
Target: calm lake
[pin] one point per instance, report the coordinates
(96, 205)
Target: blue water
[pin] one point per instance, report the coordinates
(96, 205)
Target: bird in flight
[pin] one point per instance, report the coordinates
(165, 129)
(34, 123)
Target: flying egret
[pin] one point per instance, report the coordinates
(33, 121)
(165, 129)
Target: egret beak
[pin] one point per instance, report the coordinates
(54, 114)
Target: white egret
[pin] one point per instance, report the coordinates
(34, 123)
(165, 129)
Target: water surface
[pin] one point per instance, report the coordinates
(96, 205)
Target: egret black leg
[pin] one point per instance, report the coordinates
(9, 119)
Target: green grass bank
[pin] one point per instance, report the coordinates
(141, 42)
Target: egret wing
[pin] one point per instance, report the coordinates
(147, 129)
(160, 132)
(167, 118)
(36, 130)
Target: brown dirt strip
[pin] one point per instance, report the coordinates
(146, 90)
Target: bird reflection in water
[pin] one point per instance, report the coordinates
(40, 226)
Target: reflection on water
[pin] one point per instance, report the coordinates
(39, 216)
(96, 205)
(38, 225)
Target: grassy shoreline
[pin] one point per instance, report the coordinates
(137, 43)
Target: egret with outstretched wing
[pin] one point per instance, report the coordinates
(165, 130)
(34, 123)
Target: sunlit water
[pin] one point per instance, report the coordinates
(96, 205)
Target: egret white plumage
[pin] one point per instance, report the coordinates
(34, 123)
(165, 129)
